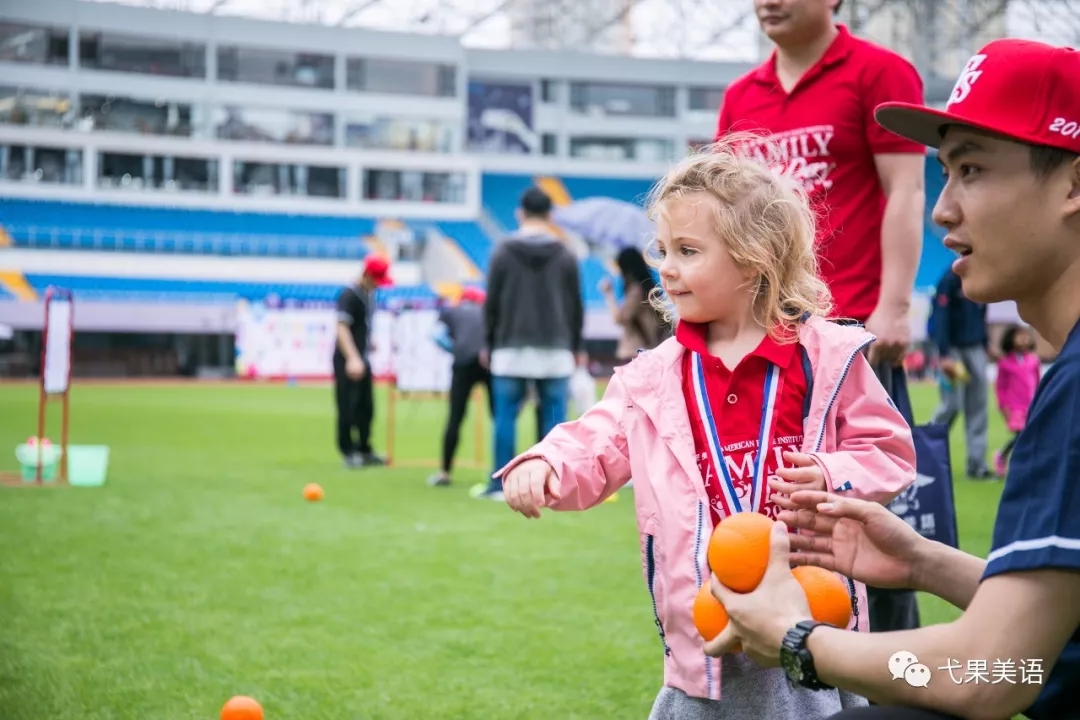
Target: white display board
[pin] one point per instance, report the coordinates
(298, 343)
(57, 371)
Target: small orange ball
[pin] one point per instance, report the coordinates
(739, 550)
(242, 707)
(829, 599)
(710, 618)
(313, 492)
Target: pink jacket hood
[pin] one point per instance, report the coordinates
(640, 429)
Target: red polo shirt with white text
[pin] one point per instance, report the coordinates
(736, 398)
(825, 134)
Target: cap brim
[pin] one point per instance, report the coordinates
(916, 122)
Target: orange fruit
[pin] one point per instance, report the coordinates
(242, 707)
(313, 492)
(709, 615)
(739, 550)
(826, 593)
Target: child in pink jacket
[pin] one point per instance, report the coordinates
(1018, 374)
(753, 363)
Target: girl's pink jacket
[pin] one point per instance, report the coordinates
(640, 429)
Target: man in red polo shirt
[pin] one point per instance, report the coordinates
(814, 100)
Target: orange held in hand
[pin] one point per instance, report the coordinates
(709, 615)
(242, 708)
(826, 593)
(739, 550)
(313, 492)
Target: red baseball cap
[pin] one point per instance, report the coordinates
(473, 294)
(377, 268)
(1021, 89)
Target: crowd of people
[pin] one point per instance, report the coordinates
(762, 365)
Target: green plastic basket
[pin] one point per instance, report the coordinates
(87, 465)
(28, 462)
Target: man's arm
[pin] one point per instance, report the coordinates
(577, 303)
(494, 294)
(901, 177)
(1013, 619)
(942, 310)
(347, 315)
(948, 573)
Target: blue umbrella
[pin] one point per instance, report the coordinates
(607, 221)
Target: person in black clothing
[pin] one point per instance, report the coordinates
(464, 325)
(533, 319)
(353, 384)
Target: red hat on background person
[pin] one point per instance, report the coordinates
(473, 295)
(377, 270)
(1019, 89)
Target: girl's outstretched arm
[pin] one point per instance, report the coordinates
(589, 455)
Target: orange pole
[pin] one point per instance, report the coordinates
(64, 438)
(478, 428)
(390, 422)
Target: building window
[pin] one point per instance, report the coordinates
(139, 54)
(33, 44)
(414, 186)
(157, 172)
(276, 126)
(705, 99)
(548, 91)
(54, 165)
(148, 117)
(400, 77)
(550, 142)
(409, 134)
(609, 149)
(38, 108)
(615, 99)
(275, 67)
(260, 178)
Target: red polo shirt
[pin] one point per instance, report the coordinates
(736, 398)
(826, 135)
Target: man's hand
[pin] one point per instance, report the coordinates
(890, 325)
(859, 539)
(949, 368)
(485, 359)
(355, 368)
(760, 618)
(582, 359)
(528, 487)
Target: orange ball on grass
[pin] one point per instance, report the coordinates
(242, 707)
(313, 492)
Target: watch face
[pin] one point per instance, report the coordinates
(790, 662)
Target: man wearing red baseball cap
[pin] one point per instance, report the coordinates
(1009, 143)
(354, 389)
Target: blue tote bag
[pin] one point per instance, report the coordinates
(927, 504)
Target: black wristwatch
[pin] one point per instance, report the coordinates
(796, 660)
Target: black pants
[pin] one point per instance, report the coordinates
(355, 410)
(465, 377)
(882, 712)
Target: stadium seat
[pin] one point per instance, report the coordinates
(86, 226)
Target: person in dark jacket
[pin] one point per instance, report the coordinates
(959, 332)
(534, 317)
(464, 338)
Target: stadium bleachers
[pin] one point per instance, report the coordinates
(94, 288)
(472, 239)
(85, 226)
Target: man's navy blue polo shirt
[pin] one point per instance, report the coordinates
(1038, 521)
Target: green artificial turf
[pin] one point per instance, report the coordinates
(198, 572)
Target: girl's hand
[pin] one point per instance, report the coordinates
(529, 486)
(804, 474)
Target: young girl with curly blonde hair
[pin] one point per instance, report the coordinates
(756, 395)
